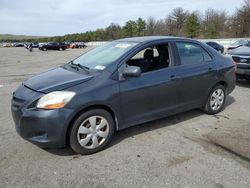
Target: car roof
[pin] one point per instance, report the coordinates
(151, 39)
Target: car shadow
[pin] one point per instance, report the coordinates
(130, 132)
(160, 123)
(243, 83)
(66, 151)
(230, 100)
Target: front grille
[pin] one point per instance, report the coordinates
(17, 102)
(241, 59)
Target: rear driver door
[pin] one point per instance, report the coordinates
(197, 73)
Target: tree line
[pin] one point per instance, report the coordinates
(211, 23)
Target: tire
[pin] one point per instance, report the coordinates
(60, 49)
(91, 131)
(216, 101)
(44, 49)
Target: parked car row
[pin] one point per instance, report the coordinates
(19, 44)
(48, 45)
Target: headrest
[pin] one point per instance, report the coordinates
(149, 54)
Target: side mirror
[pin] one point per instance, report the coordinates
(132, 71)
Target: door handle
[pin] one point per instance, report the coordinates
(210, 69)
(173, 77)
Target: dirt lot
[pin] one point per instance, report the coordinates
(191, 149)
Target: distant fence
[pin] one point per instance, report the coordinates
(96, 43)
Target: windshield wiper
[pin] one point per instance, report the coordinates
(78, 65)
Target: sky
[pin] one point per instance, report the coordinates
(60, 17)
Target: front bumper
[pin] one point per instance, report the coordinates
(243, 72)
(45, 128)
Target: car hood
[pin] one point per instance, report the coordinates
(241, 51)
(55, 80)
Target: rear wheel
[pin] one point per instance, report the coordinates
(216, 100)
(92, 131)
(44, 49)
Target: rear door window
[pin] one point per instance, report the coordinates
(191, 53)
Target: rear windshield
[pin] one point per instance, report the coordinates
(241, 42)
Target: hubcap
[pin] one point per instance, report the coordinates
(217, 99)
(93, 132)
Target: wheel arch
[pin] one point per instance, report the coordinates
(223, 83)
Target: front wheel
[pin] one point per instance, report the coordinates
(216, 100)
(92, 131)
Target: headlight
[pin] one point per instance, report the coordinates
(54, 100)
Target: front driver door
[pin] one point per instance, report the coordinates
(150, 96)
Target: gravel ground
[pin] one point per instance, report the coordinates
(190, 149)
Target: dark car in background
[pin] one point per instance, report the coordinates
(52, 46)
(19, 44)
(216, 46)
(241, 57)
(238, 43)
(117, 85)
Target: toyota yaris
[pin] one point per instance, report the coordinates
(117, 85)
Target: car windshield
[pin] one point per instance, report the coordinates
(100, 57)
(240, 42)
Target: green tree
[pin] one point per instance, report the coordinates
(211, 31)
(130, 29)
(141, 26)
(192, 26)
